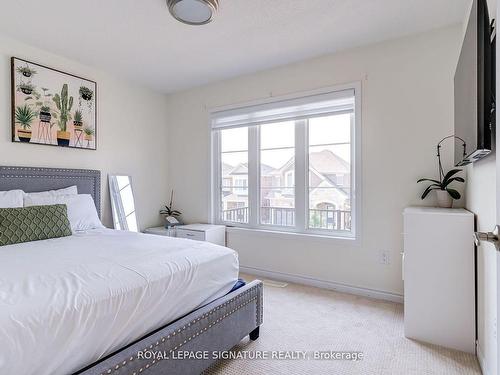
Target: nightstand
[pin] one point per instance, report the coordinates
(161, 231)
(203, 232)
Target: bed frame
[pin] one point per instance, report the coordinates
(215, 327)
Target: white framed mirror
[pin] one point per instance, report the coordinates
(123, 203)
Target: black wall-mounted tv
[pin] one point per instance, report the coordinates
(475, 87)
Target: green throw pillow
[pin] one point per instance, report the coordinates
(34, 223)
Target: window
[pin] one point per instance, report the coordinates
(241, 185)
(277, 193)
(329, 156)
(288, 164)
(233, 191)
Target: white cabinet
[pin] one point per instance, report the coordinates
(203, 232)
(439, 286)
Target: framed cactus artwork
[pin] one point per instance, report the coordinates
(50, 107)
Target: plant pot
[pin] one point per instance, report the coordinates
(45, 116)
(27, 74)
(63, 138)
(78, 125)
(444, 199)
(24, 135)
(26, 90)
(88, 137)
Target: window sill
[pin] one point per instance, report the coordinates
(344, 240)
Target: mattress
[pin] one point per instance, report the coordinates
(67, 302)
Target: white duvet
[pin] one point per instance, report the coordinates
(65, 303)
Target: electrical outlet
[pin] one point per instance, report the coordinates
(384, 257)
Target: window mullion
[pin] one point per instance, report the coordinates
(215, 214)
(300, 174)
(253, 175)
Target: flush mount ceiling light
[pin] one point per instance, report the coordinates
(193, 12)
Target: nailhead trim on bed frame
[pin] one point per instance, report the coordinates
(94, 176)
(258, 322)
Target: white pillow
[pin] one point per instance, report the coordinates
(11, 199)
(82, 213)
(72, 190)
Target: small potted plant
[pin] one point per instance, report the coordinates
(44, 114)
(171, 215)
(64, 103)
(445, 194)
(86, 93)
(24, 116)
(78, 120)
(88, 134)
(26, 71)
(26, 88)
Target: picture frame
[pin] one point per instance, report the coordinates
(52, 107)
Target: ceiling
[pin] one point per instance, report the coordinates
(139, 40)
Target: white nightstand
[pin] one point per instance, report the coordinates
(203, 232)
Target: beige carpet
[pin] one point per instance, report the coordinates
(309, 319)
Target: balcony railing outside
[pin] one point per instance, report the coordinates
(339, 220)
(236, 215)
(283, 216)
(330, 219)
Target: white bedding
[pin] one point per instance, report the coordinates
(66, 302)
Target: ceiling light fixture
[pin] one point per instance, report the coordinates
(193, 12)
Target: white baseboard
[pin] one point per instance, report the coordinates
(305, 280)
(482, 361)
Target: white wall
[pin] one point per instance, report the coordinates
(481, 200)
(407, 107)
(131, 133)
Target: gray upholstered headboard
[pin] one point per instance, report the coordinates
(31, 179)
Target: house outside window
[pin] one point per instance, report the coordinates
(241, 186)
(289, 165)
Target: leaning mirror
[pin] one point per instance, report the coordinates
(122, 203)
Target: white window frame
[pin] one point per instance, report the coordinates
(301, 175)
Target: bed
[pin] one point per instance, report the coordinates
(110, 302)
